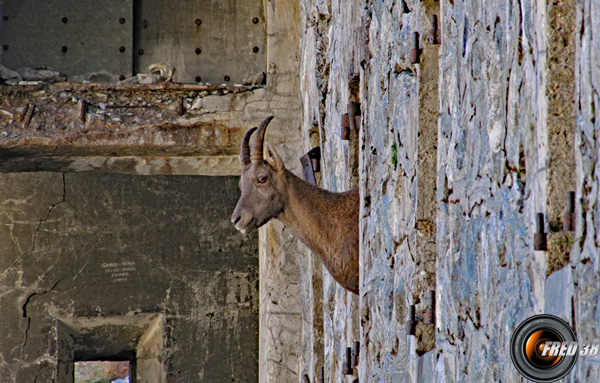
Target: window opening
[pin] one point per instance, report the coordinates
(102, 372)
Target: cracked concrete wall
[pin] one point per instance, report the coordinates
(457, 154)
(81, 245)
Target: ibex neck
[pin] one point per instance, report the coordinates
(310, 211)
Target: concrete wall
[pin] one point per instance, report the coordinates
(91, 261)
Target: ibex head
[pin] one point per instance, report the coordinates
(262, 182)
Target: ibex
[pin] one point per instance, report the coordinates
(326, 222)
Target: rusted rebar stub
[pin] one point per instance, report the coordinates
(569, 217)
(434, 32)
(430, 313)
(355, 353)
(345, 132)
(348, 369)
(411, 323)
(539, 238)
(415, 52)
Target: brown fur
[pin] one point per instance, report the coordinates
(326, 222)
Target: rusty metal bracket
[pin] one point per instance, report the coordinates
(27, 115)
(345, 127)
(311, 164)
(411, 324)
(348, 369)
(569, 217)
(83, 107)
(355, 353)
(430, 313)
(180, 106)
(354, 115)
(539, 238)
(435, 37)
(415, 53)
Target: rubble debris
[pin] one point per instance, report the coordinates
(97, 77)
(9, 76)
(46, 75)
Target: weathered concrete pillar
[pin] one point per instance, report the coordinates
(280, 253)
(560, 93)
(424, 282)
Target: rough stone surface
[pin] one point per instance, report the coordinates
(456, 156)
(101, 247)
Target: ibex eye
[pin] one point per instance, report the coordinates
(262, 180)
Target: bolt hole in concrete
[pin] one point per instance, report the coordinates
(102, 372)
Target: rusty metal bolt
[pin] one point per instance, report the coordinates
(348, 369)
(198, 78)
(122, 49)
(198, 22)
(355, 353)
(430, 313)
(569, 218)
(64, 20)
(411, 324)
(539, 238)
(255, 20)
(255, 49)
(198, 51)
(434, 33)
(226, 78)
(140, 52)
(415, 52)
(122, 20)
(345, 127)
(64, 49)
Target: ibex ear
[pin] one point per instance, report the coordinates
(273, 158)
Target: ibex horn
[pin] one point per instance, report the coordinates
(245, 151)
(256, 147)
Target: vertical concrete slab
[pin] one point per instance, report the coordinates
(204, 39)
(71, 37)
